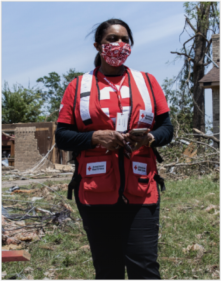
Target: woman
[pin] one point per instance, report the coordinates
(115, 188)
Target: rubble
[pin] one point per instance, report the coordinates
(13, 188)
(30, 224)
(8, 168)
(189, 154)
(61, 167)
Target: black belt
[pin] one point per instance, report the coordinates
(160, 181)
(157, 154)
(72, 185)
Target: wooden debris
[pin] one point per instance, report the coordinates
(11, 247)
(68, 207)
(63, 167)
(189, 152)
(21, 255)
(85, 248)
(24, 191)
(201, 134)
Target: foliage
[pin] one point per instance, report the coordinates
(20, 104)
(54, 88)
(192, 9)
(180, 103)
(41, 118)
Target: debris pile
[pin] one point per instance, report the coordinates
(30, 220)
(15, 176)
(190, 154)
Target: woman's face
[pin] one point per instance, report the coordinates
(114, 33)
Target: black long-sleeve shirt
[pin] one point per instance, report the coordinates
(68, 139)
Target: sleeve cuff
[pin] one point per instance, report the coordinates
(89, 141)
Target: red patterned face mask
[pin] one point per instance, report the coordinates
(115, 54)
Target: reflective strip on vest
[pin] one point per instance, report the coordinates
(86, 84)
(142, 87)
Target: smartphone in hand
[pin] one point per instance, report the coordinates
(139, 131)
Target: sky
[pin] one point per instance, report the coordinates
(42, 37)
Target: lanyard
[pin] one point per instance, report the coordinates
(115, 88)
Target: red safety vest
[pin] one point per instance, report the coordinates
(106, 176)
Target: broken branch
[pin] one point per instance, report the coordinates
(190, 24)
(205, 136)
(190, 164)
(183, 54)
(198, 142)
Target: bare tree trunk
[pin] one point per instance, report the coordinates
(205, 16)
(198, 92)
(198, 70)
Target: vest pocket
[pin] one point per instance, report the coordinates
(139, 176)
(137, 186)
(97, 174)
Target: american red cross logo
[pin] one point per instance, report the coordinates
(135, 167)
(89, 168)
(109, 101)
(142, 115)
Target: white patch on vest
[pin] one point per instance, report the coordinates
(96, 168)
(106, 111)
(61, 106)
(125, 93)
(146, 116)
(105, 93)
(139, 168)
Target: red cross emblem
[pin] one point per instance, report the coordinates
(142, 115)
(135, 167)
(89, 168)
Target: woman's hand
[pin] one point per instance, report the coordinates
(137, 141)
(111, 140)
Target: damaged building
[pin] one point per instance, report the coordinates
(211, 81)
(25, 144)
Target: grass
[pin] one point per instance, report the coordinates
(183, 222)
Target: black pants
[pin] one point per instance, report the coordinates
(122, 236)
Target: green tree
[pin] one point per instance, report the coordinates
(202, 20)
(54, 88)
(180, 103)
(20, 104)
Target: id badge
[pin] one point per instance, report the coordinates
(121, 122)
